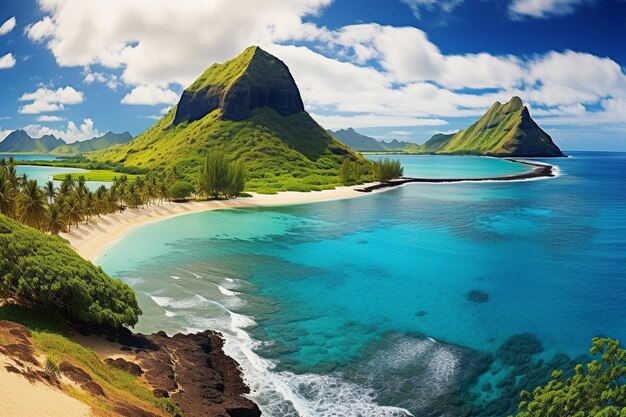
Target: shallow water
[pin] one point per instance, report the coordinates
(24, 157)
(43, 174)
(361, 306)
(451, 166)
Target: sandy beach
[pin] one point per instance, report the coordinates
(89, 240)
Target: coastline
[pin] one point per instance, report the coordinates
(540, 170)
(90, 240)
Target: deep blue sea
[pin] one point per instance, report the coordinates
(428, 299)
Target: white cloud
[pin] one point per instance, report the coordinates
(417, 6)
(7, 61)
(44, 100)
(72, 133)
(50, 119)
(158, 42)
(400, 133)
(7, 26)
(544, 8)
(110, 80)
(4, 134)
(40, 30)
(150, 95)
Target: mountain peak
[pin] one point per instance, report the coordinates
(253, 79)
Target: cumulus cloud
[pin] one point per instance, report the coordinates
(150, 95)
(44, 100)
(40, 30)
(8, 26)
(72, 133)
(544, 8)
(50, 119)
(110, 80)
(7, 61)
(158, 42)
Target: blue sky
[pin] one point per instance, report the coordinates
(401, 69)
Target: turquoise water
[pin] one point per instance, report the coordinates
(24, 157)
(361, 307)
(449, 166)
(43, 174)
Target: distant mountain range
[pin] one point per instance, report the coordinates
(20, 142)
(505, 130)
(362, 143)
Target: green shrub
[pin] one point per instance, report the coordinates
(44, 270)
(387, 169)
(181, 190)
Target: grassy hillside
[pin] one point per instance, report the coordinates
(282, 153)
(505, 130)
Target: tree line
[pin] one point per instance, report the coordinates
(385, 169)
(57, 209)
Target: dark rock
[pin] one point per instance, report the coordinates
(265, 82)
(518, 349)
(212, 381)
(421, 313)
(74, 373)
(477, 296)
(125, 365)
(93, 388)
(159, 393)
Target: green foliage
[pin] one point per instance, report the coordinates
(220, 176)
(386, 169)
(95, 175)
(280, 153)
(351, 172)
(44, 270)
(596, 389)
(181, 190)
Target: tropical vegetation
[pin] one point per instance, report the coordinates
(386, 169)
(222, 177)
(39, 269)
(596, 389)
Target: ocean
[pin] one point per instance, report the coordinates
(425, 300)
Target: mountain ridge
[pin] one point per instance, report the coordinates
(19, 141)
(505, 130)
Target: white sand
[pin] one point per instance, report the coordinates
(20, 397)
(90, 240)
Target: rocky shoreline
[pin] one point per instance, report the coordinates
(191, 369)
(540, 171)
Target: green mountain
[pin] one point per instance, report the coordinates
(362, 143)
(20, 142)
(250, 108)
(94, 144)
(505, 130)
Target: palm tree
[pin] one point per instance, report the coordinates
(50, 191)
(89, 206)
(56, 220)
(7, 194)
(33, 207)
(67, 185)
(73, 211)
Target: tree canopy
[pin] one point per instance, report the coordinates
(44, 270)
(596, 389)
